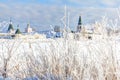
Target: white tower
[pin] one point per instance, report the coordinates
(28, 29)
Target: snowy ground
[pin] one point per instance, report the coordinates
(59, 59)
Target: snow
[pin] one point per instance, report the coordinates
(52, 34)
(46, 52)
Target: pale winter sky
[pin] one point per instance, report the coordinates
(43, 13)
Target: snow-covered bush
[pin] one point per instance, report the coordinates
(61, 59)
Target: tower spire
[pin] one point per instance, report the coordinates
(79, 24)
(18, 26)
(10, 27)
(80, 21)
(18, 30)
(10, 20)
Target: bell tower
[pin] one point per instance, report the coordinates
(79, 24)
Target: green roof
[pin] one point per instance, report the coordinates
(18, 31)
(10, 27)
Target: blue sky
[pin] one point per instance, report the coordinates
(43, 13)
(77, 3)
